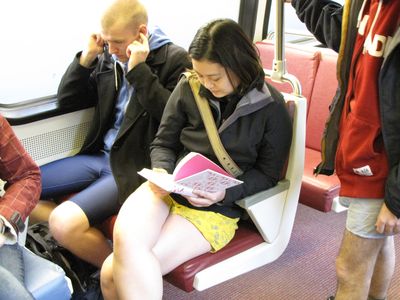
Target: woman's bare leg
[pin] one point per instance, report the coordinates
(137, 273)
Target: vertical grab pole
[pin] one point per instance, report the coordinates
(278, 72)
(279, 63)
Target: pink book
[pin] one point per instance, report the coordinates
(194, 163)
(194, 171)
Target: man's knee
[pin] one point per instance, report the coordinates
(66, 221)
(356, 260)
(343, 271)
(349, 269)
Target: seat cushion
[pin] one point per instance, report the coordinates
(317, 192)
(44, 279)
(107, 227)
(245, 238)
(182, 277)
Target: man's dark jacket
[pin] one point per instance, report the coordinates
(98, 86)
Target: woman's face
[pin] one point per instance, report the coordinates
(215, 77)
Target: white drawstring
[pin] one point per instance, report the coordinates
(378, 11)
(361, 13)
(116, 75)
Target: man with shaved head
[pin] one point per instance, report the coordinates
(127, 72)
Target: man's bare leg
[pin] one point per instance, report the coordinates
(70, 227)
(384, 269)
(355, 265)
(41, 212)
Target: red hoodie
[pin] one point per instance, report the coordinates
(361, 161)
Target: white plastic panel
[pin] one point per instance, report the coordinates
(54, 138)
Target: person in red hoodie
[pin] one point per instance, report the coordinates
(362, 136)
(20, 188)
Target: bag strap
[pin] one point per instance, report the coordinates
(212, 132)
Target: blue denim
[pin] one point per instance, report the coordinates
(12, 285)
(90, 177)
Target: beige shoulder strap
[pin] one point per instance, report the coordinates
(212, 132)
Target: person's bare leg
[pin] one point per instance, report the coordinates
(355, 265)
(136, 231)
(41, 212)
(107, 280)
(70, 227)
(179, 242)
(383, 271)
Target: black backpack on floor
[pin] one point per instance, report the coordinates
(82, 274)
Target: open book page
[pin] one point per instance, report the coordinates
(166, 182)
(209, 181)
(194, 171)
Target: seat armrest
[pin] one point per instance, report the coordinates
(266, 209)
(246, 202)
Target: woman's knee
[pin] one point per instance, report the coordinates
(125, 225)
(139, 222)
(106, 274)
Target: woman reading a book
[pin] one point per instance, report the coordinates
(156, 231)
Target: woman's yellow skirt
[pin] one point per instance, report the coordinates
(217, 229)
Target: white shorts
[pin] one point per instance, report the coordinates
(362, 215)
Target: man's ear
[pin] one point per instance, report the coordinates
(143, 29)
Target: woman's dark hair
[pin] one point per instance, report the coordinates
(224, 42)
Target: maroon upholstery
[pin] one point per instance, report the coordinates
(317, 192)
(324, 89)
(245, 238)
(107, 227)
(315, 68)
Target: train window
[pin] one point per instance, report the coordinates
(39, 38)
(295, 30)
(38, 41)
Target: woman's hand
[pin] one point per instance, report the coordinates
(205, 199)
